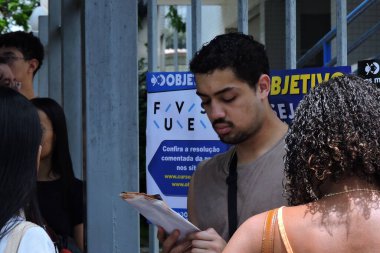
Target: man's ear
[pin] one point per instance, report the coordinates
(33, 65)
(263, 86)
(39, 157)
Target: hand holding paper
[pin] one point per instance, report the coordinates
(159, 213)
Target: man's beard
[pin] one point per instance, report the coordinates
(235, 139)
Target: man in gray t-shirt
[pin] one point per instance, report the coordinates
(232, 78)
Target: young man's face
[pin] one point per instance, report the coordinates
(6, 76)
(19, 65)
(235, 110)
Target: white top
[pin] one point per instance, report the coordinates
(35, 240)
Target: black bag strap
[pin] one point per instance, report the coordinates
(232, 195)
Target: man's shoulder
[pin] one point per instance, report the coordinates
(219, 158)
(217, 162)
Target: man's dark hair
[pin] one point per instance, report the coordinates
(239, 52)
(28, 44)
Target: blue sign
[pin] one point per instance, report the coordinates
(289, 86)
(169, 81)
(175, 161)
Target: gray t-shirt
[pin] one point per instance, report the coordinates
(259, 189)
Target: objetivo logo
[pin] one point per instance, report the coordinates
(158, 79)
(172, 79)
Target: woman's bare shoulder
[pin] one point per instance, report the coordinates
(248, 237)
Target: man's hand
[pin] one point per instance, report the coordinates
(207, 241)
(170, 244)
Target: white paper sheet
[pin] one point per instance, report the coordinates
(159, 213)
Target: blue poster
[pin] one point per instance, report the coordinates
(179, 136)
(289, 86)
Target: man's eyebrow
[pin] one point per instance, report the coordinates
(200, 94)
(7, 53)
(216, 93)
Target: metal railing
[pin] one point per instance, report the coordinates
(324, 42)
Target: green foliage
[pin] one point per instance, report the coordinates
(16, 13)
(176, 20)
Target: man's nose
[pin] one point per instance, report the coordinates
(217, 111)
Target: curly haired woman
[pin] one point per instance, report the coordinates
(332, 167)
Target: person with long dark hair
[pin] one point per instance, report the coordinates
(20, 138)
(332, 167)
(60, 194)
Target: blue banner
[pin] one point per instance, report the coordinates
(289, 86)
(176, 160)
(179, 136)
(169, 81)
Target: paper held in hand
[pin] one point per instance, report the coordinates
(159, 213)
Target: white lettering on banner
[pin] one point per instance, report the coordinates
(282, 112)
(172, 149)
(177, 79)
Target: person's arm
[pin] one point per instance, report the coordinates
(78, 236)
(248, 237)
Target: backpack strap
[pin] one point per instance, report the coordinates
(231, 181)
(268, 233)
(16, 235)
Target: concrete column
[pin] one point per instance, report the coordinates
(55, 51)
(109, 31)
(196, 28)
(43, 72)
(290, 34)
(243, 16)
(341, 36)
(72, 80)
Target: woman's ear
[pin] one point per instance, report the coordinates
(39, 157)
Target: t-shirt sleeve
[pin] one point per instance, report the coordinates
(77, 202)
(36, 240)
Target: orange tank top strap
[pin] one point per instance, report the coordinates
(282, 230)
(267, 244)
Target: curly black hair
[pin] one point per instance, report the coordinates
(335, 134)
(239, 52)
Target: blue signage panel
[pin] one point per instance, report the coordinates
(169, 81)
(175, 161)
(289, 86)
